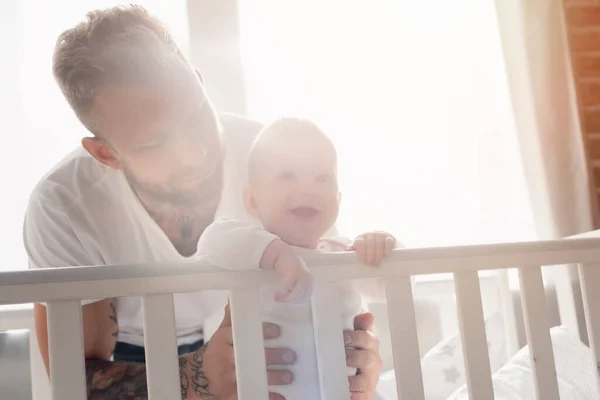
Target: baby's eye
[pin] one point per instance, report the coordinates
(324, 178)
(287, 176)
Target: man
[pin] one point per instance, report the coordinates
(157, 169)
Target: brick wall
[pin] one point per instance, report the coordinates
(583, 27)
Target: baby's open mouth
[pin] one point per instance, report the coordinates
(305, 212)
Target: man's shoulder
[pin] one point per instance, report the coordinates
(68, 181)
(239, 131)
(236, 124)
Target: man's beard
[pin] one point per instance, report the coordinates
(208, 192)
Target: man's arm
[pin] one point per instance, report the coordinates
(107, 380)
(100, 329)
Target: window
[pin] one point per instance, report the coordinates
(415, 97)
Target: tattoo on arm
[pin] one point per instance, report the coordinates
(113, 318)
(185, 381)
(191, 374)
(108, 380)
(199, 380)
(115, 381)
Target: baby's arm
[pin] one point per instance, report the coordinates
(296, 282)
(235, 245)
(374, 289)
(371, 249)
(240, 246)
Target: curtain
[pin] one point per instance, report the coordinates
(540, 78)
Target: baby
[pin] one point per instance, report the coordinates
(293, 192)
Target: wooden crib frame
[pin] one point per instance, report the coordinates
(63, 288)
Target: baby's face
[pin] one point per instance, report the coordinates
(295, 194)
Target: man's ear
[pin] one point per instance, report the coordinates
(101, 151)
(250, 202)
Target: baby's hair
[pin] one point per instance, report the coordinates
(281, 131)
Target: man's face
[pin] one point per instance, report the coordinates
(167, 142)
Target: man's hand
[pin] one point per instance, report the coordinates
(364, 355)
(371, 248)
(210, 371)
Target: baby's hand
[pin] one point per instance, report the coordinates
(295, 280)
(371, 248)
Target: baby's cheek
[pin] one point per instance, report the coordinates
(276, 221)
(332, 215)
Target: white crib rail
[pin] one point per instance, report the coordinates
(472, 332)
(65, 341)
(63, 288)
(328, 328)
(589, 275)
(160, 344)
(537, 329)
(248, 344)
(403, 329)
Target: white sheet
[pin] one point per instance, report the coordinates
(574, 368)
(514, 381)
(443, 365)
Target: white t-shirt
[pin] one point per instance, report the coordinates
(83, 213)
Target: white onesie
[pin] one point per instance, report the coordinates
(239, 246)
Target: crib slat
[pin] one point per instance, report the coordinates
(40, 384)
(589, 276)
(65, 340)
(248, 344)
(329, 342)
(473, 335)
(405, 343)
(537, 329)
(160, 343)
(507, 308)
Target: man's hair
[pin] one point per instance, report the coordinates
(283, 130)
(118, 45)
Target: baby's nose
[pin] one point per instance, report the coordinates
(310, 197)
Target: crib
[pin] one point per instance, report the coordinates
(62, 289)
